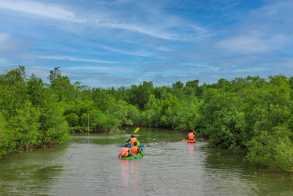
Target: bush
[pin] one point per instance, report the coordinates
(6, 141)
(25, 126)
(272, 149)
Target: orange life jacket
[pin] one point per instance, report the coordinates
(123, 152)
(133, 140)
(134, 149)
(191, 136)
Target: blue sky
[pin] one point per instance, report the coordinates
(107, 43)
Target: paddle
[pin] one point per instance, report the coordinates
(136, 130)
(141, 145)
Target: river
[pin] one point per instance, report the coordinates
(88, 166)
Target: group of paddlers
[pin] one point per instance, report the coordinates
(131, 148)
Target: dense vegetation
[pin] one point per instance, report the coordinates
(30, 113)
(251, 115)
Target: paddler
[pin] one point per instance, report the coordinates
(191, 136)
(132, 140)
(124, 152)
(134, 150)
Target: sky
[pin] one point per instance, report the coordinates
(105, 43)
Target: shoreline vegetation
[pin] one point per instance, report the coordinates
(250, 115)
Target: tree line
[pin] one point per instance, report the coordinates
(251, 115)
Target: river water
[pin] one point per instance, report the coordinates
(88, 166)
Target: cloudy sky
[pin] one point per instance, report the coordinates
(122, 42)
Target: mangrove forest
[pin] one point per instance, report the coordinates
(252, 116)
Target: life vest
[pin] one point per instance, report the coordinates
(191, 136)
(134, 149)
(123, 152)
(132, 140)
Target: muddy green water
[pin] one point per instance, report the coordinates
(89, 166)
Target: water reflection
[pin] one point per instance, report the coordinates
(124, 173)
(191, 148)
(130, 175)
(272, 183)
(145, 136)
(232, 172)
(27, 173)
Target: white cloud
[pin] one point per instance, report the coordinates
(200, 31)
(264, 30)
(140, 53)
(252, 43)
(170, 28)
(6, 42)
(39, 9)
(244, 44)
(164, 49)
(3, 38)
(144, 23)
(76, 59)
(138, 28)
(92, 69)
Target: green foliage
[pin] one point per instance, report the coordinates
(188, 114)
(54, 127)
(36, 91)
(140, 95)
(223, 119)
(72, 119)
(272, 149)
(25, 125)
(13, 91)
(30, 113)
(6, 141)
(252, 115)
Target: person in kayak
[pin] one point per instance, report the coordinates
(191, 136)
(132, 139)
(124, 152)
(134, 150)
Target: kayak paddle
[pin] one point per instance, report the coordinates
(137, 130)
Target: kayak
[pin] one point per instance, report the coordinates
(191, 141)
(134, 157)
